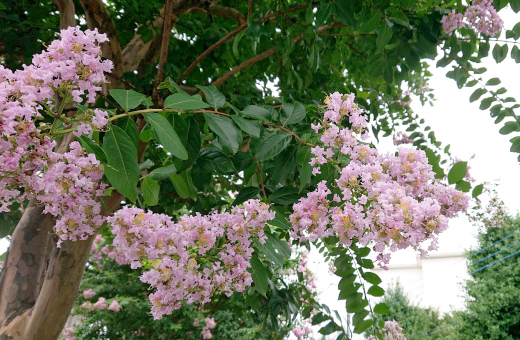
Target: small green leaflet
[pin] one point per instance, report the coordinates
(183, 101)
(169, 84)
(229, 135)
(245, 194)
(259, 275)
(150, 190)
(163, 172)
(251, 127)
(127, 99)
(166, 135)
(271, 145)
(213, 96)
(292, 113)
(457, 172)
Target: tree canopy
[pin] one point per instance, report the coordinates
(156, 121)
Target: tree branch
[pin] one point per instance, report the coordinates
(67, 12)
(231, 35)
(256, 59)
(165, 44)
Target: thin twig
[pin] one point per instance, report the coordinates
(231, 35)
(167, 29)
(261, 178)
(290, 131)
(258, 58)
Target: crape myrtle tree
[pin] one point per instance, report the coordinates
(148, 103)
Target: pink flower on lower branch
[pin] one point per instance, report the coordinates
(114, 306)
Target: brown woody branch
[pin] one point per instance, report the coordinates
(67, 12)
(231, 35)
(165, 44)
(258, 58)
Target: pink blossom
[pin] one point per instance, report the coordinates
(114, 306)
(298, 332)
(100, 304)
(89, 293)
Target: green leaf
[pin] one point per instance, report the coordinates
(127, 99)
(282, 247)
(292, 113)
(242, 161)
(463, 186)
(251, 127)
(457, 172)
(515, 5)
(123, 169)
(363, 326)
(371, 23)
(257, 112)
(150, 190)
(211, 159)
(377, 66)
(500, 52)
(271, 145)
(146, 164)
(183, 185)
(344, 12)
(229, 135)
(329, 328)
(323, 14)
(189, 133)
(213, 96)
(477, 94)
(486, 103)
(259, 275)
(376, 291)
(348, 290)
(515, 54)
(245, 194)
(372, 278)
(268, 250)
(284, 165)
(515, 147)
(508, 128)
(384, 36)
(163, 172)
(477, 190)
(354, 302)
(359, 317)
(166, 135)
(381, 308)
(285, 196)
(493, 81)
(183, 101)
(91, 147)
(236, 41)
(305, 175)
(146, 134)
(128, 125)
(169, 84)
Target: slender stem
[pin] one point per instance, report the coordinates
(261, 178)
(167, 28)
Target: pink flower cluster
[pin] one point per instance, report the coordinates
(307, 274)
(390, 200)
(206, 331)
(402, 138)
(64, 183)
(391, 331)
(68, 334)
(194, 258)
(481, 17)
(300, 332)
(100, 303)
